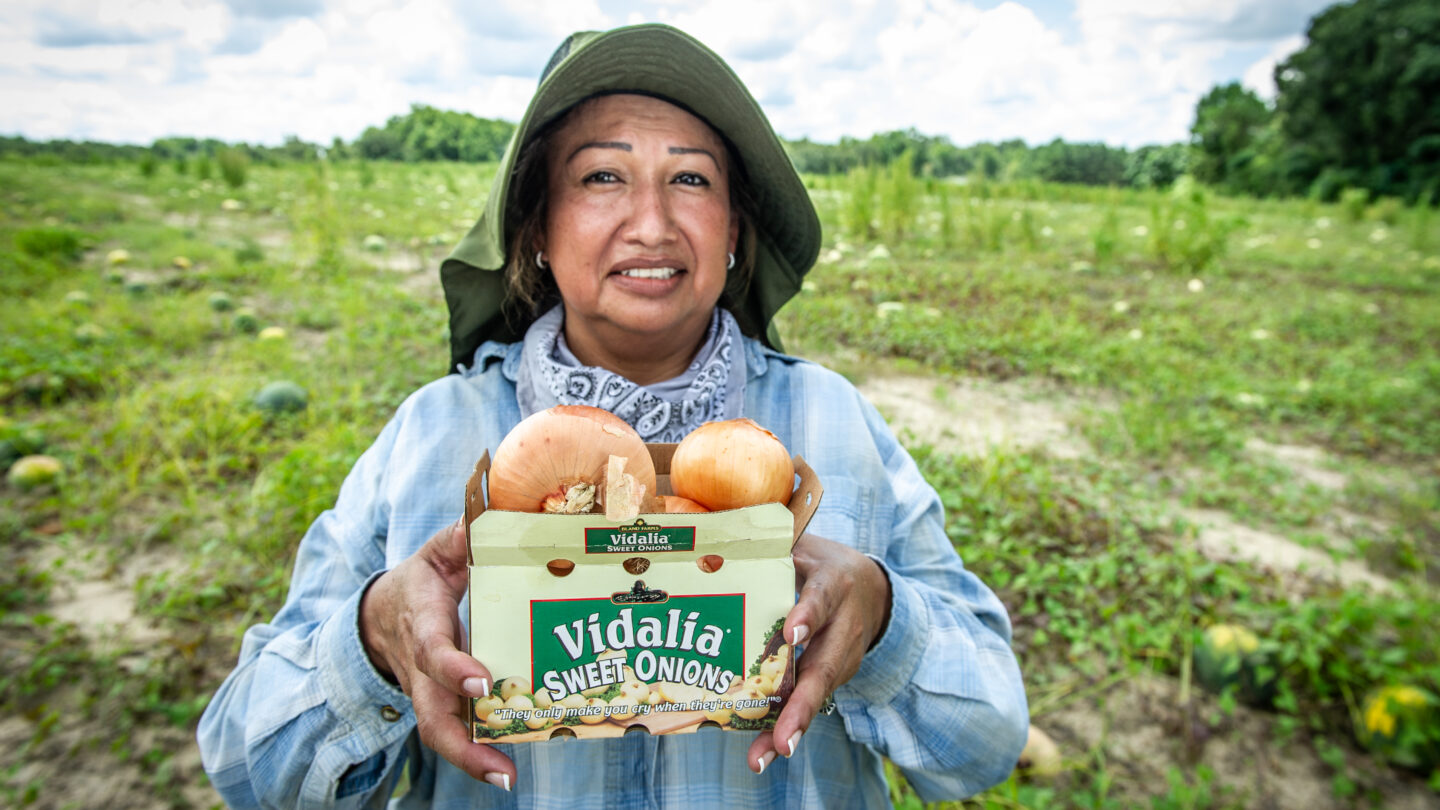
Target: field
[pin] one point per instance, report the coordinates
(1147, 413)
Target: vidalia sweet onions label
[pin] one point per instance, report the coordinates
(667, 622)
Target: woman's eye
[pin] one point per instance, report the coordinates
(601, 176)
(691, 179)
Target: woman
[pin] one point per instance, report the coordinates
(650, 226)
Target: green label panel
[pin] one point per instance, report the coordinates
(640, 538)
(695, 640)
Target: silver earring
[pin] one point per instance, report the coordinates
(731, 265)
(540, 260)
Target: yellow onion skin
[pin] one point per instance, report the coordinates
(731, 464)
(676, 505)
(552, 450)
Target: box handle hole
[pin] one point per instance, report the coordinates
(710, 563)
(560, 567)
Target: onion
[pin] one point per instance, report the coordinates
(674, 505)
(559, 460)
(730, 464)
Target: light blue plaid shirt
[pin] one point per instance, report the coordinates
(305, 720)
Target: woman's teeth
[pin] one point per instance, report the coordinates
(649, 272)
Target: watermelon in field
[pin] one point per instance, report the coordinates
(33, 472)
(246, 320)
(1401, 723)
(1230, 656)
(282, 396)
(88, 333)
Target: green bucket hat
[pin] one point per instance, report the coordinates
(661, 61)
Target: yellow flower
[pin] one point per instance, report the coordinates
(1406, 695)
(1378, 720)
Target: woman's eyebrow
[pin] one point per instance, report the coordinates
(691, 150)
(600, 145)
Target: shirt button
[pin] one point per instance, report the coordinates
(389, 713)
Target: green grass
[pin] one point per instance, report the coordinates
(1296, 323)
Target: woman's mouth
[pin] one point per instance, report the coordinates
(650, 272)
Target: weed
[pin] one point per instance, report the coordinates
(57, 243)
(234, 166)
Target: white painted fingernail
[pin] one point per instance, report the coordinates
(799, 634)
(500, 780)
(794, 741)
(765, 759)
(476, 687)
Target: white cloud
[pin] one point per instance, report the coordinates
(1128, 71)
(1260, 76)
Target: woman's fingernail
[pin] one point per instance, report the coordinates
(765, 759)
(799, 633)
(500, 780)
(476, 687)
(794, 741)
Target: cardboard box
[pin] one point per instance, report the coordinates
(591, 627)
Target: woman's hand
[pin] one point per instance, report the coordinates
(843, 608)
(410, 626)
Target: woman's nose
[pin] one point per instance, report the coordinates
(650, 221)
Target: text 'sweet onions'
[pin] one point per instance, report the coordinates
(730, 464)
(560, 460)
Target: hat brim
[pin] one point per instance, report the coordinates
(661, 61)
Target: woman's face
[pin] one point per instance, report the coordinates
(638, 225)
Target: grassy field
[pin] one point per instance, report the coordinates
(1266, 369)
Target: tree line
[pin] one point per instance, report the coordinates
(1357, 107)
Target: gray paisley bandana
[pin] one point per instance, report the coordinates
(711, 389)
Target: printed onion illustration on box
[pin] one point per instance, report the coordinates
(669, 621)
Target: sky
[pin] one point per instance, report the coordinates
(1123, 72)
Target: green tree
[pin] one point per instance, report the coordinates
(1228, 121)
(1362, 98)
(427, 133)
(1090, 164)
(1156, 166)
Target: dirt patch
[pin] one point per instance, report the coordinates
(1309, 464)
(974, 417)
(1142, 729)
(72, 765)
(1219, 537)
(103, 609)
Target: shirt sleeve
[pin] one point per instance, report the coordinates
(940, 693)
(305, 720)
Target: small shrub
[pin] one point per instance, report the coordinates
(859, 212)
(947, 219)
(1183, 234)
(1422, 225)
(1386, 210)
(55, 243)
(234, 167)
(1354, 201)
(899, 194)
(1107, 237)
